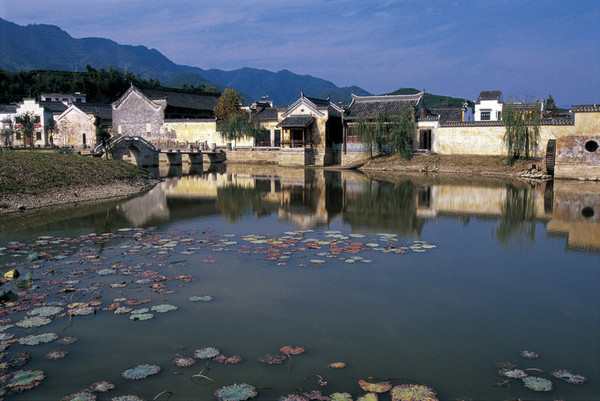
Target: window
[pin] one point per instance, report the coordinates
(38, 136)
(485, 115)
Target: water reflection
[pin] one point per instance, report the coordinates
(309, 198)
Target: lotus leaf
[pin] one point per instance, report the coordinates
(67, 340)
(81, 396)
(141, 316)
(289, 350)
(528, 354)
(140, 311)
(36, 321)
(163, 308)
(121, 310)
(368, 397)
(183, 362)
(537, 383)
(23, 380)
(45, 311)
(55, 355)
(206, 353)
(203, 298)
(272, 359)
(413, 392)
(83, 311)
(127, 398)
(232, 360)
(140, 371)
(236, 392)
(512, 373)
(569, 377)
(340, 397)
(293, 397)
(19, 359)
(101, 387)
(337, 365)
(38, 339)
(382, 387)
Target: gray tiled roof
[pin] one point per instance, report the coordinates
(586, 107)
(447, 113)
(102, 110)
(54, 107)
(490, 95)
(301, 121)
(8, 108)
(180, 99)
(370, 106)
(266, 114)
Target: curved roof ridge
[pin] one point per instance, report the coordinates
(379, 98)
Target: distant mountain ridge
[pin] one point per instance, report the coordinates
(47, 47)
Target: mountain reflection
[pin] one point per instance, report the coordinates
(310, 198)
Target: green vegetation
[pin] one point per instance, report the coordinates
(550, 108)
(522, 130)
(229, 103)
(35, 172)
(27, 121)
(100, 86)
(434, 101)
(239, 125)
(387, 134)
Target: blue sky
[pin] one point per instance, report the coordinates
(528, 49)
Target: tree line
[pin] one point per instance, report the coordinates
(99, 85)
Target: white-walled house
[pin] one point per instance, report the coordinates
(488, 106)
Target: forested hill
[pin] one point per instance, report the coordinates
(434, 101)
(47, 47)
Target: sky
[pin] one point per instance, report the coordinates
(529, 49)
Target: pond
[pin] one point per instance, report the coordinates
(330, 276)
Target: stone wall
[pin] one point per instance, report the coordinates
(578, 157)
(137, 116)
(279, 156)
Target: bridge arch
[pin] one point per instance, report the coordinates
(145, 154)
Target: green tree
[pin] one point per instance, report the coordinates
(27, 121)
(228, 104)
(102, 135)
(387, 133)
(522, 130)
(550, 108)
(239, 125)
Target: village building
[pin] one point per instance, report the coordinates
(75, 127)
(65, 98)
(164, 116)
(8, 113)
(488, 106)
(44, 114)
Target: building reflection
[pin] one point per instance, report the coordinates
(310, 198)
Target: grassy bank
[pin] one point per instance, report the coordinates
(26, 172)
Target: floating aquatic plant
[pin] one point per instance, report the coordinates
(337, 365)
(183, 362)
(289, 350)
(163, 308)
(35, 321)
(83, 311)
(232, 360)
(121, 310)
(66, 340)
(569, 377)
(368, 397)
(381, 387)
(81, 396)
(38, 339)
(22, 380)
(528, 354)
(537, 383)
(127, 398)
(141, 316)
(140, 311)
(340, 397)
(206, 352)
(197, 298)
(236, 392)
(512, 373)
(19, 359)
(293, 397)
(101, 387)
(272, 359)
(56, 355)
(45, 311)
(140, 371)
(413, 392)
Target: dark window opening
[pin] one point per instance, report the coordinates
(588, 212)
(485, 115)
(591, 146)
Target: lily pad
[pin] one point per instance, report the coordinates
(163, 308)
(141, 316)
(36, 339)
(289, 350)
(381, 387)
(183, 362)
(140, 372)
(512, 373)
(127, 398)
(56, 355)
(35, 321)
(413, 392)
(206, 352)
(340, 397)
(81, 396)
(236, 392)
(337, 365)
(528, 354)
(203, 298)
(101, 387)
(23, 380)
(45, 311)
(272, 359)
(537, 383)
(569, 377)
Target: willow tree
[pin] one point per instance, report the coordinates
(522, 130)
(386, 133)
(240, 125)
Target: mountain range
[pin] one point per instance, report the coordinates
(48, 47)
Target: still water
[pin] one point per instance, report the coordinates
(408, 279)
